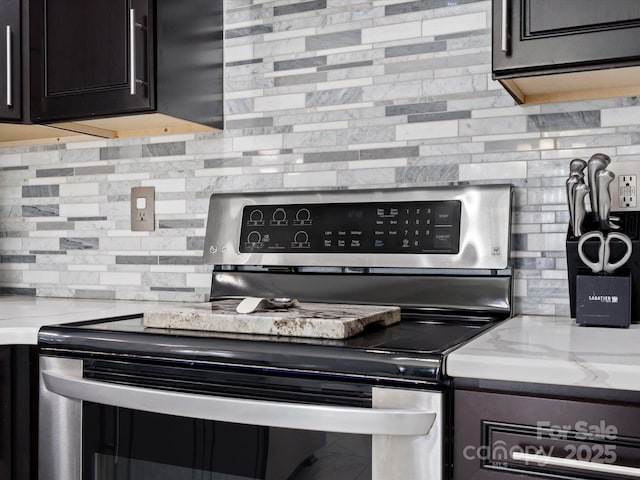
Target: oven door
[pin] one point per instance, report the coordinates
(98, 430)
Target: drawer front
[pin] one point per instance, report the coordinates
(503, 437)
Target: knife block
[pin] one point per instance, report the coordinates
(629, 222)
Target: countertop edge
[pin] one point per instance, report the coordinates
(553, 351)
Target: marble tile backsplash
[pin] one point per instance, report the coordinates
(318, 94)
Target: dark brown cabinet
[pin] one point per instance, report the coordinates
(18, 412)
(90, 59)
(108, 58)
(110, 68)
(540, 45)
(10, 60)
(503, 436)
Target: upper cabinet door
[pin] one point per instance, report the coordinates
(10, 60)
(90, 58)
(547, 36)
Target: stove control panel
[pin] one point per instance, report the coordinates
(388, 227)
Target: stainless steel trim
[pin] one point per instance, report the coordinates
(576, 464)
(476, 295)
(9, 73)
(504, 26)
(250, 412)
(408, 457)
(132, 51)
(60, 427)
(484, 229)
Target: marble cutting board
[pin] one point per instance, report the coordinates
(316, 320)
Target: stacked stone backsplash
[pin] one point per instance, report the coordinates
(318, 94)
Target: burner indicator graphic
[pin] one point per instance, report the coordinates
(256, 218)
(254, 240)
(303, 217)
(279, 218)
(301, 240)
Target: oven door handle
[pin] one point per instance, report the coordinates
(368, 421)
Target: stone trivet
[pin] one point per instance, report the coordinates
(316, 320)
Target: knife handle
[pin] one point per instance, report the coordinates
(576, 166)
(570, 188)
(581, 190)
(604, 179)
(597, 162)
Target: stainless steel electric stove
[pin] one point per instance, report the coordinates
(440, 254)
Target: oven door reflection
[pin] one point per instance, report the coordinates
(125, 444)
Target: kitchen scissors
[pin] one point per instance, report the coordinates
(604, 251)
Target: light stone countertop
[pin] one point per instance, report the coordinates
(554, 351)
(548, 350)
(22, 316)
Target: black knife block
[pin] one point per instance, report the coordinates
(629, 222)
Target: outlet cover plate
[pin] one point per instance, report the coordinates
(143, 209)
(623, 169)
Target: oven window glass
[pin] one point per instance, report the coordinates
(123, 444)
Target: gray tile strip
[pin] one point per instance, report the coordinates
(248, 31)
(136, 260)
(55, 226)
(40, 210)
(563, 121)
(343, 156)
(17, 259)
(302, 79)
(188, 223)
(333, 40)
(31, 292)
(163, 149)
(436, 117)
(79, 243)
(116, 153)
(40, 191)
(338, 96)
(10, 169)
(54, 172)
(87, 219)
(97, 170)
(250, 123)
(244, 62)
(415, 49)
(299, 7)
(308, 62)
(171, 289)
(98, 294)
(422, 5)
(415, 108)
(340, 66)
(398, 152)
(181, 260)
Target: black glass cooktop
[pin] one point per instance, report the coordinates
(409, 351)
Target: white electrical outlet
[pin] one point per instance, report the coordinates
(624, 189)
(628, 191)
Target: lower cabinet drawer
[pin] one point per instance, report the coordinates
(501, 437)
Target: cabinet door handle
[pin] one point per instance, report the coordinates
(576, 464)
(132, 51)
(9, 62)
(505, 26)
